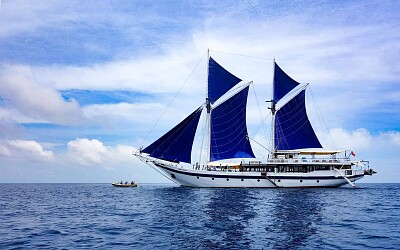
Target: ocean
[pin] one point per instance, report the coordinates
(76, 216)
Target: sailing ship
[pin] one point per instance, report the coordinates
(296, 157)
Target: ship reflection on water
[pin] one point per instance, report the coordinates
(235, 218)
(262, 218)
(229, 213)
(293, 219)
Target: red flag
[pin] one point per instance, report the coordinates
(353, 154)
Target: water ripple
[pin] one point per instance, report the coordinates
(73, 216)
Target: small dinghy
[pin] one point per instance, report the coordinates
(119, 184)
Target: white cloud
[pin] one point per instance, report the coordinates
(86, 151)
(325, 58)
(121, 112)
(4, 151)
(157, 74)
(362, 140)
(26, 100)
(391, 137)
(86, 160)
(352, 140)
(93, 152)
(8, 128)
(23, 149)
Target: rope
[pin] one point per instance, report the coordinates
(319, 114)
(177, 93)
(259, 111)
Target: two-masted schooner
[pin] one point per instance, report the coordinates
(296, 158)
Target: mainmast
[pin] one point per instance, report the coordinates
(273, 111)
(208, 120)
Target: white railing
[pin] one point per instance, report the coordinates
(319, 160)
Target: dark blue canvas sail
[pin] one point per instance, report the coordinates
(176, 144)
(219, 80)
(293, 130)
(228, 129)
(283, 83)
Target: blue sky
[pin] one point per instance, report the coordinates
(82, 83)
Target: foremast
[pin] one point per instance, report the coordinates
(208, 115)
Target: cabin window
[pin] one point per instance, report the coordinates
(258, 180)
(212, 178)
(242, 179)
(317, 181)
(198, 177)
(301, 180)
(227, 179)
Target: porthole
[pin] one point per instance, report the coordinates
(242, 179)
(279, 180)
(198, 177)
(227, 179)
(258, 180)
(317, 181)
(301, 180)
(212, 178)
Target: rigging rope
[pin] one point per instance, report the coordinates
(259, 111)
(177, 93)
(319, 114)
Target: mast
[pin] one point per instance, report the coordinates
(208, 120)
(207, 137)
(273, 111)
(219, 82)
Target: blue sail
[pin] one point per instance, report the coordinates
(283, 83)
(293, 130)
(219, 80)
(176, 144)
(228, 129)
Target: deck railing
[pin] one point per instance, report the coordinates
(320, 160)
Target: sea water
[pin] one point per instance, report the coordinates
(73, 216)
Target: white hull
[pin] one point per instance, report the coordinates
(204, 178)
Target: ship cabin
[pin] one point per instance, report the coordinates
(289, 162)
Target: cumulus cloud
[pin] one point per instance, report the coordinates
(26, 100)
(93, 152)
(87, 151)
(23, 149)
(362, 139)
(357, 139)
